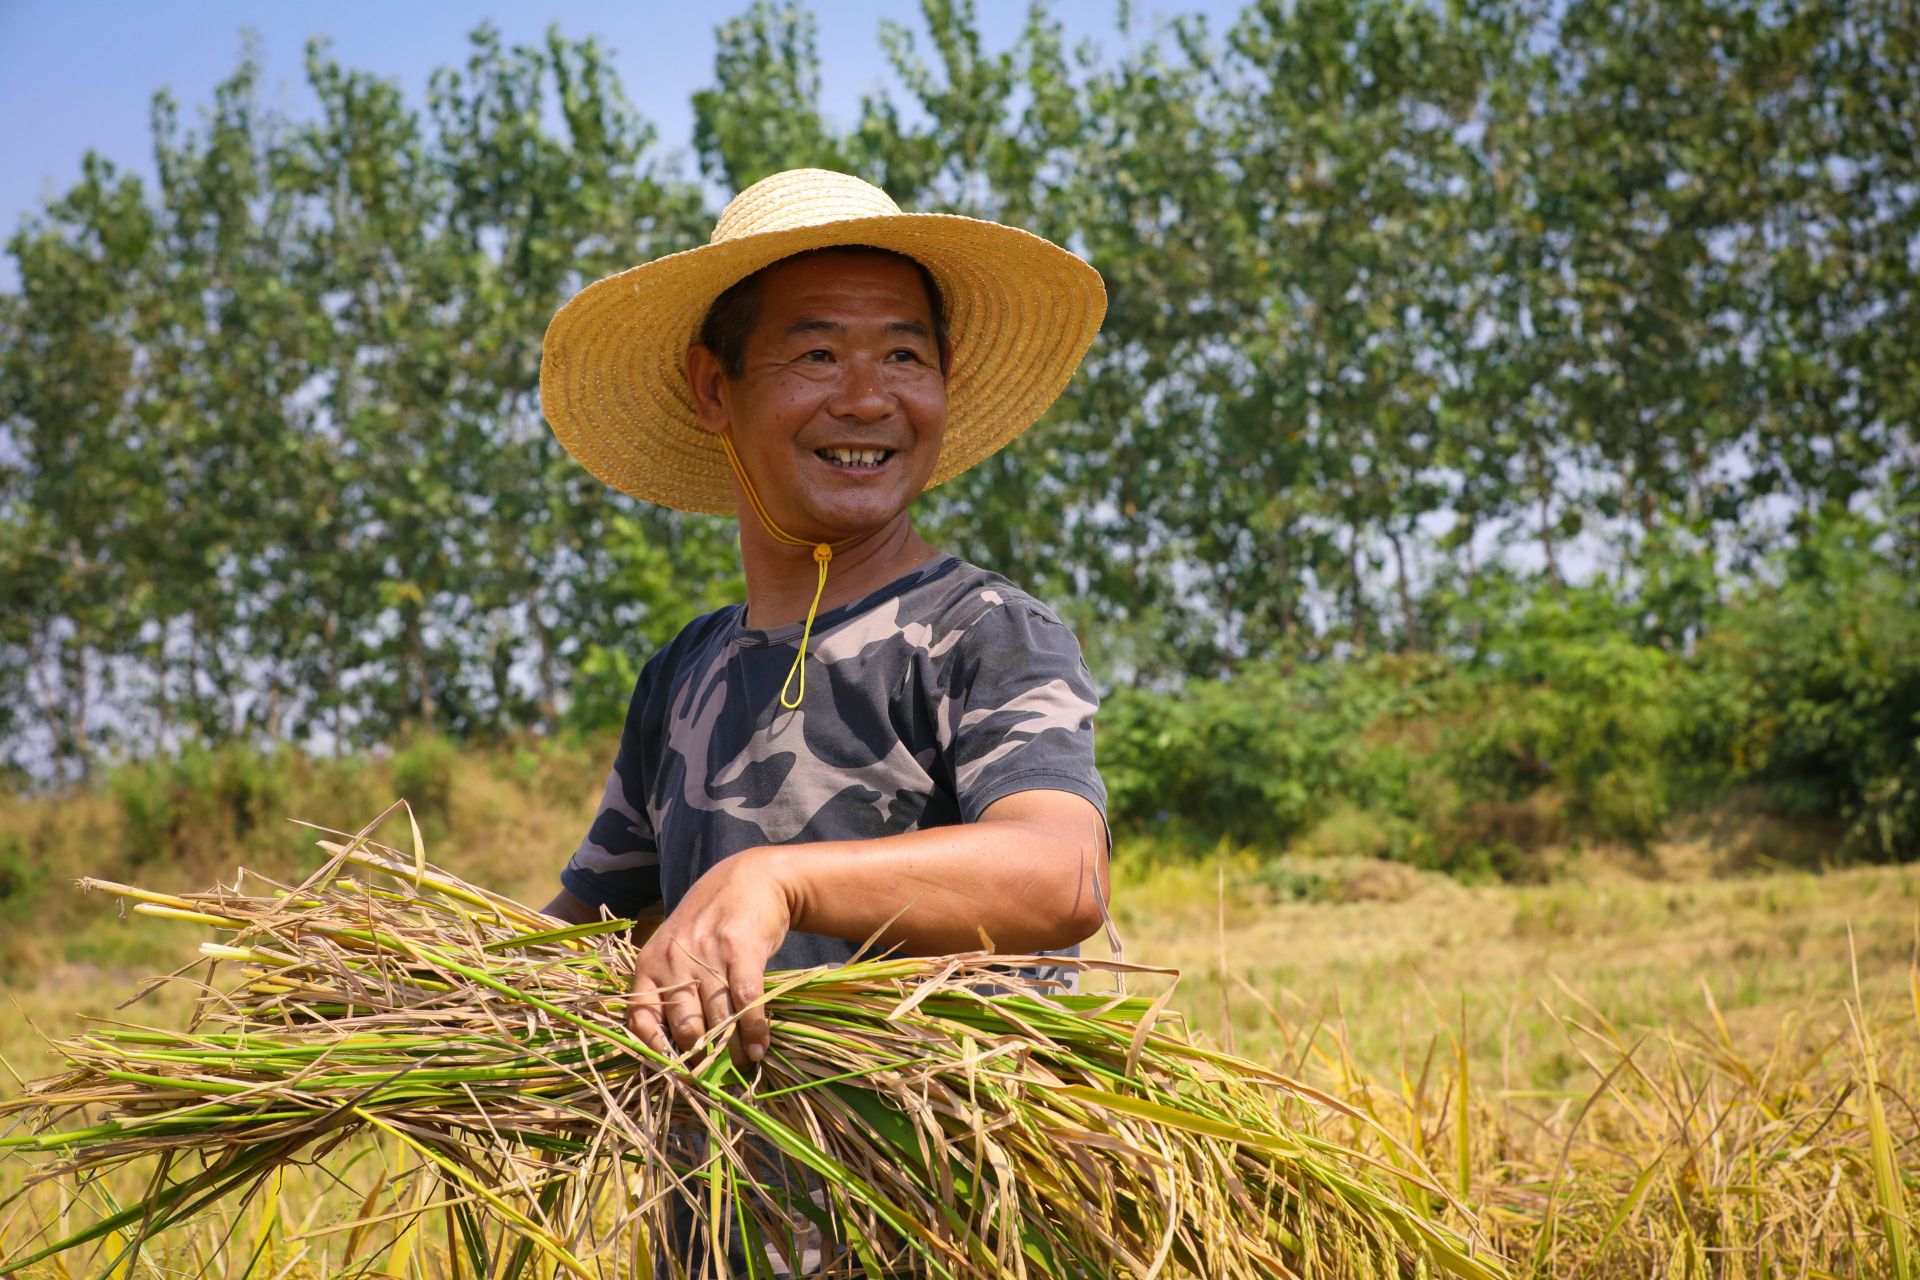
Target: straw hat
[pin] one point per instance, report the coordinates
(613, 383)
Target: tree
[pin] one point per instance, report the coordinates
(1407, 301)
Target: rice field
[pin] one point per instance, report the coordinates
(1610, 1075)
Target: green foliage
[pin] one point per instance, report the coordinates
(1347, 831)
(1567, 701)
(1263, 754)
(21, 885)
(667, 572)
(180, 807)
(421, 771)
(1398, 292)
(283, 474)
(1817, 684)
(603, 683)
(764, 114)
(1571, 723)
(557, 768)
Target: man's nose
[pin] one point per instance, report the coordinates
(863, 395)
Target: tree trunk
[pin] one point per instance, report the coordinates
(1356, 598)
(330, 635)
(1473, 584)
(160, 716)
(1544, 486)
(193, 678)
(543, 637)
(42, 674)
(234, 691)
(79, 710)
(417, 655)
(499, 674)
(1473, 564)
(1409, 620)
(1546, 543)
(1289, 620)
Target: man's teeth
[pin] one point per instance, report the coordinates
(857, 457)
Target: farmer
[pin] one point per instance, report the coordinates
(884, 742)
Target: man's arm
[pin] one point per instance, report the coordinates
(1025, 876)
(566, 905)
(571, 909)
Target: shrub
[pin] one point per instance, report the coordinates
(21, 882)
(1349, 831)
(201, 799)
(1265, 755)
(421, 772)
(1816, 688)
(1569, 704)
(602, 687)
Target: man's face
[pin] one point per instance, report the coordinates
(841, 404)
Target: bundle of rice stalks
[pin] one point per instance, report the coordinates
(934, 1117)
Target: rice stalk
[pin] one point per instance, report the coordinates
(1889, 1196)
(938, 1117)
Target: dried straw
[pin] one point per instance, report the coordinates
(905, 1122)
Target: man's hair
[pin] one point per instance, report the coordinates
(731, 318)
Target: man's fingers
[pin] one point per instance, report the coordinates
(745, 986)
(680, 1011)
(643, 1015)
(690, 991)
(714, 1004)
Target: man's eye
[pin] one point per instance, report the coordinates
(905, 353)
(818, 355)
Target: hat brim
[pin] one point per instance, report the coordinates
(1021, 312)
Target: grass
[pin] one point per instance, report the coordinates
(1689, 1076)
(1389, 968)
(1648, 1066)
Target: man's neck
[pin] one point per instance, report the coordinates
(781, 579)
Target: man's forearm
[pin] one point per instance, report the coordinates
(1031, 875)
(565, 906)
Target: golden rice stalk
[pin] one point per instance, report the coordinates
(939, 1117)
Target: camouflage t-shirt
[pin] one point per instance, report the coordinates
(927, 701)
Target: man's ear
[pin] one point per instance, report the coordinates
(708, 382)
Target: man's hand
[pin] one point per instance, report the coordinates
(1031, 874)
(707, 961)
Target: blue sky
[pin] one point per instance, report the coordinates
(76, 74)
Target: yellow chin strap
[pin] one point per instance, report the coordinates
(822, 556)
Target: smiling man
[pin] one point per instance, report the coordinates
(882, 741)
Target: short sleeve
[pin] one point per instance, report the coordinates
(618, 863)
(1019, 710)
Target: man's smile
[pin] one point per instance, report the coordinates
(857, 461)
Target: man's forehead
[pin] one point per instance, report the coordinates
(805, 323)
(829, 282)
